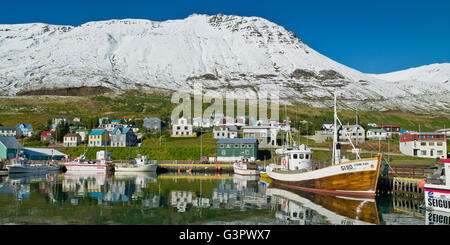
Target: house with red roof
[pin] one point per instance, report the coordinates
(47, 136)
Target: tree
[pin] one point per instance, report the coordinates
(61, 130)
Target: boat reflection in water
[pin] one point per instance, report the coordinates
(236, 192)
(19, 184)
(434, 217)
(123, 187)
(305, 208)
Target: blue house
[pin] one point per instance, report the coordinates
(123, 137)
(27, 129)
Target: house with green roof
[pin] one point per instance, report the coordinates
(377, 134)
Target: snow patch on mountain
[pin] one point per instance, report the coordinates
(224, 52)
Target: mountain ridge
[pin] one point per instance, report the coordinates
(224, 52)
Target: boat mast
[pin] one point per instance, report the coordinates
(335, 155)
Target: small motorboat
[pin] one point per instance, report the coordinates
(22, 165)
(141, 164)
(243, 167)
(81, 164)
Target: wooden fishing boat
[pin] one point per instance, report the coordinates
(358, 178)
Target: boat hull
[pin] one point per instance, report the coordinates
(13, 169)
(132, 168)
(357, 178)
(86, 167)
(243, 171)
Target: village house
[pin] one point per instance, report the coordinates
(230, 132)
(237, 149)
(123, 137)
(77, 119)
(99, 137)
(59, 120)
(241, 121)
(182, 128)
(152, 123)
(83, 132)
(445, 131)
(9, 147)
(377, 134)
(355, 132)
(26, 129)
(266, 135)
(424, 144)
(103, 120)
(47, 136)
(390, 130)
(72, 140)
(10, 131)
(202, 122)
(281, 126)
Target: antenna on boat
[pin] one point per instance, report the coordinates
(335, 139)
(336, 145)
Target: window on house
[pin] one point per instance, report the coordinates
(424, 153)
(294, 156)
(242, 145)
(228, 145)
(423, 143)
(440, 152)
(247, 152)
(236, 145)
(221, 145)
(301, 156)
(224, 152)
(439, 143)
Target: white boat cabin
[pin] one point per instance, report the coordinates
(296, 158)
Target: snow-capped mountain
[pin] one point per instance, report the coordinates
(224, 52)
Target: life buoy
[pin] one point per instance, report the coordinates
(284, 162)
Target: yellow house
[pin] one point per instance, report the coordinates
(99, 137)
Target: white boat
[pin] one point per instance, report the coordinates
(437, 191)
(243, 167)
(142, 164)
(22, 165)
(357, 178)
(81, 164)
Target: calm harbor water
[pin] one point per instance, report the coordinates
(189, 199)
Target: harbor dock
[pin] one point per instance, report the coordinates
(207, 167)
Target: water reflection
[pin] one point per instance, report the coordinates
(172, 198)
(437, 218)
(297, 207)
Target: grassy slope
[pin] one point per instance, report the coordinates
(37, 110)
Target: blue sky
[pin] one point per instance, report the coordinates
(370, 36)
